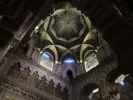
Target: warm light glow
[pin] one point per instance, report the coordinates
(95, 90)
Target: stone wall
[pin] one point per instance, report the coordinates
(29, 84)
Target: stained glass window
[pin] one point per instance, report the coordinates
(46, 60)
(69, 59)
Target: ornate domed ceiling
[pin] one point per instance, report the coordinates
(67, 25)
(68, 36)
(67, 30)
(65, 53)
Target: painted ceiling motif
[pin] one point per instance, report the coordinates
(68, 30)
(67, 25)
(65, 57)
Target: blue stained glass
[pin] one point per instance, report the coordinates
(125, 82)
(69, 59)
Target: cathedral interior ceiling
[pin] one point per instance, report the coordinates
(62, 51)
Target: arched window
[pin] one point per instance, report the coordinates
(69, 59)
(46, 60)
(91, 62)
